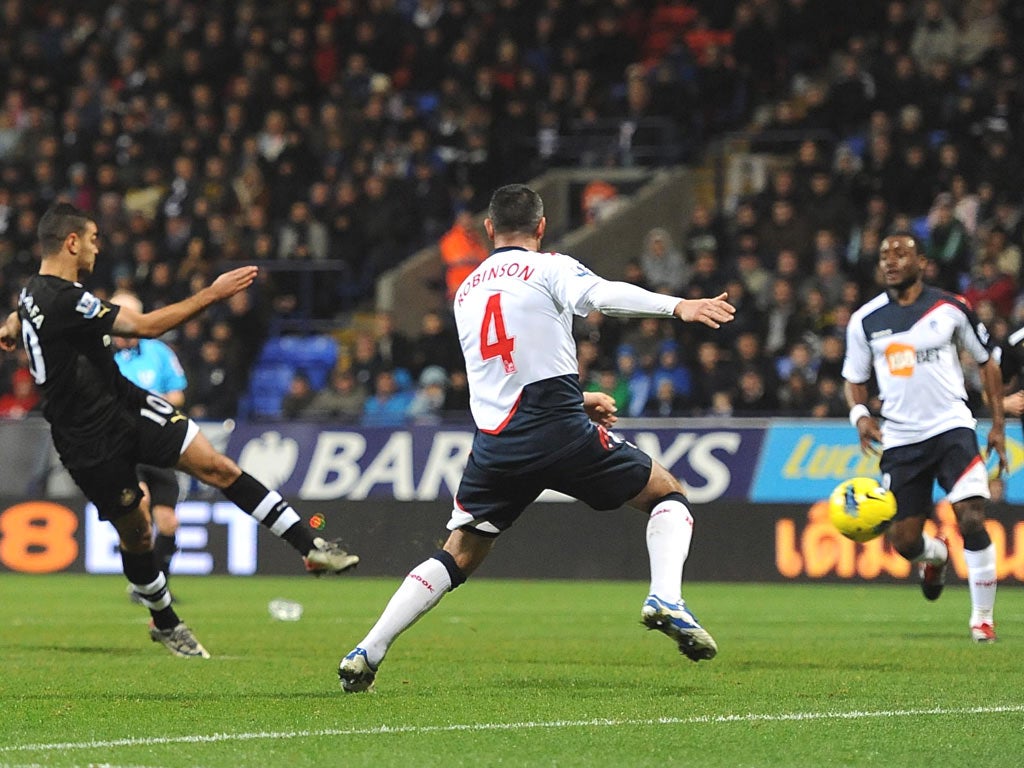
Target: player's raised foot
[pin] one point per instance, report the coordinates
(674, 620)
(328, 557)
(356, 673)
(933, 577)
(983, 632)
(179, 640)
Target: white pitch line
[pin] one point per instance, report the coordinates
(595, 723)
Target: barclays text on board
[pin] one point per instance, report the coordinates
(310, 463)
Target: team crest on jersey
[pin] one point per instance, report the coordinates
(609, 440)
(89, 305)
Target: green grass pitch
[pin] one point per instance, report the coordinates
(509, 673)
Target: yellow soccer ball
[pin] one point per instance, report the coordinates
(861, 509)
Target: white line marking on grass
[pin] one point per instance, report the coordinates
(595, 723)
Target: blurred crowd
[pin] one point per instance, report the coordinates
(329, 140)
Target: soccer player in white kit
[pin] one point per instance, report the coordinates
(537, 430)
(910, 335)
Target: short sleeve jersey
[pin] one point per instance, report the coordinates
(152, 365)
(66, 332)
(914, 351)
(514, 317)
(1011, 356)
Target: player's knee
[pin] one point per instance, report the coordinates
(218, 470)
(166, 520)
(464, 551)
(135, 533)
(662, 483)
(970, 516)
(972, 524)
(906, 540)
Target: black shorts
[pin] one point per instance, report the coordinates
(154, 435)
(162, 484)
(910, 471)
(604, 472)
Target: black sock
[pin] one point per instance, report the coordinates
(164, 548)
(273, 512)
(455, 574)
(141, 570)
(977, 540)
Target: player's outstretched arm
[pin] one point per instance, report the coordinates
(618, 299)
(711, 312)
(149, 325)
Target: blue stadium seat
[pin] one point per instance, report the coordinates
(301, 351)
(271, 378)
(320, 350)
(317, 374)
(265, 405)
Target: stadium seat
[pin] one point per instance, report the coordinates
(317, 374)
(265, 405)
(271, 378)
(301, 351)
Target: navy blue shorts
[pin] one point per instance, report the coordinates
(603, 471)
(952, 458)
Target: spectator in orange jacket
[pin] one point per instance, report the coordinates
(462, 251)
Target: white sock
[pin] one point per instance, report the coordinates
(669, 531)
(934, 552)
(422, 589)
(981, 578)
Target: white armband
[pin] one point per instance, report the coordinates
(858, 412)
(620, 299)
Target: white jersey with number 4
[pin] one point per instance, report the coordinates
(514, 316)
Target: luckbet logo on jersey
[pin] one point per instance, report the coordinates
(901, 358)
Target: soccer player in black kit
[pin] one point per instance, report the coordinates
(103, 426)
